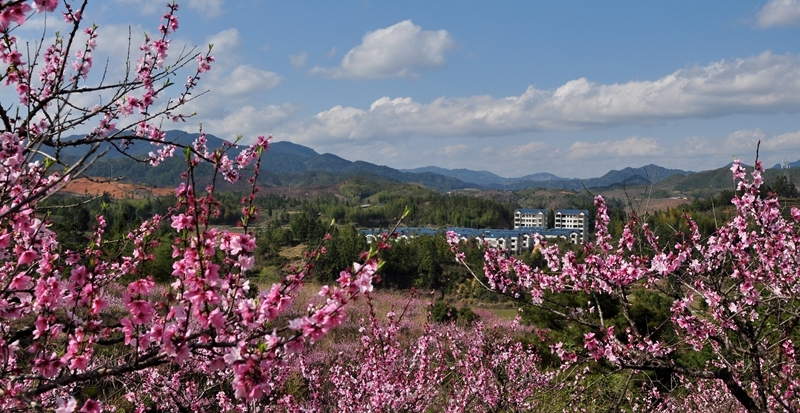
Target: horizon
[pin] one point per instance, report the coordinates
(597, 174)
(530, 88)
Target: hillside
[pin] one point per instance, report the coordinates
(116, 190)
(284, 164)
(288, 164)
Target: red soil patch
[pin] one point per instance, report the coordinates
(117, 190)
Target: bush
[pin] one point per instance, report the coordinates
(441, 312)
(467, 316)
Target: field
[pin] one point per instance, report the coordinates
(116, 189)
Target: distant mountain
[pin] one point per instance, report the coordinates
(648, 174)
(541, 176)
(482, 178)
(285, 148)
(285, 163)
(795, 164)
(485, 178)
(140, 149)
(629, 182)
(290, 164)
(709, 182)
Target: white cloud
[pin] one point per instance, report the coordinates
(779, 13)
(455, 149)
(232, 103)
(535, 149)
(784, 142)
(396, 51)
(332, 52)
(115, 41)
(211, 8)
(744, 142)
(741, 142)
(249, 121)
(229, 78)
(696, 146)
(298, 60)
(389, 151)
(38, 22)
(765, 83)
(630, 147)
(225, 41)
(245, 79)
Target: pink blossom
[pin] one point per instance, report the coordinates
(141, 311)
(66, 405)
(91, 406)
(79, 363)
(15, 13)
(246, 262)
(27, 257)
(181, 222)
(204, 63)
(45, 5)
(20, 281)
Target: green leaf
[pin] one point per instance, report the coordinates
(90, 391)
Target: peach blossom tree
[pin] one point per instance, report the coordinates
(87, 329)
(728, 338)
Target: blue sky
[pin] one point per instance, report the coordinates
(574, 88)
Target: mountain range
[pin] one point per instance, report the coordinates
(631, 176)
(290, 164)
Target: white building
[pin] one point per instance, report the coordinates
(575, 219)
(530, 218)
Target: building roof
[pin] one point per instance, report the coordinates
(485, 233)
(560, 231)
(572, 211)
(531, 211)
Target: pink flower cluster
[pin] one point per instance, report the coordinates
(444, 368)
(734, 299)
(94, 318)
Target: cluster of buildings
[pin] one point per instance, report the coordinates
(568, 224)
(574, 220)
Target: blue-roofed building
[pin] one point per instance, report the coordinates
(575, 219)
(572, 235)
(515, 241)
(530, 218)
(571, 225)
(403, 233)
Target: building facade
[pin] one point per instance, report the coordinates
(513, 241)
(530, 218)
(573, 219)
